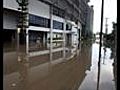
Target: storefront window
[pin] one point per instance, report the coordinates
(37, 40)
(57, 25)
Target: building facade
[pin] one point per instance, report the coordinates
(54, 25)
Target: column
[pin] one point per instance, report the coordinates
(27, 41)
(44, 38)
(64, 41)
(51, 32)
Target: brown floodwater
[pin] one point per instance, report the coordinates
(79, 73)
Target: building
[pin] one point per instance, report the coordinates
(88, 32)
(54, 25)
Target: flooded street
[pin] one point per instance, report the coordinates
(105, 72)
(78, 73)
(59, 45)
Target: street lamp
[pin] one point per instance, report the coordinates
(23, 18)
(23, 21)
(19, 1)
(22, 2)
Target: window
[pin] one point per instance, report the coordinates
(58, 12)
(39, 21)
(57, 25)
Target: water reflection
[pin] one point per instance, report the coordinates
(100, 77)
(99, 67)
(39, 73)
(104, 57)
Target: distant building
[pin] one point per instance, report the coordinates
(88, 32)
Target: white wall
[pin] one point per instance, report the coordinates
(38, 8)
(35, 7)
(33, 28)
(58, 18)
(11, 4)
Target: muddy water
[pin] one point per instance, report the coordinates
(78, 73)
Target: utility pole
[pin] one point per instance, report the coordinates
(101, 28)
(106, 30)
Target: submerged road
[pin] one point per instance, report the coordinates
(78, 73)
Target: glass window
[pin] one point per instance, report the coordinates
(39, 21)
(57, 25)
(58, 12)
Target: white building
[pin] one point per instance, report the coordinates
(65, 33)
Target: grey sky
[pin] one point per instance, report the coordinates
(110, 11)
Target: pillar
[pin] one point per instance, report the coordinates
(64, 41)
(27, 41)
(51, 32)
(43, 37)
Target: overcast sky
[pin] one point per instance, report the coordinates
(110, 11)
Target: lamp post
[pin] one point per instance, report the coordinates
(22, 2)
(23, 18)
(22, 26)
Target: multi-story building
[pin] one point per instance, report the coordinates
(88, 32)
(61, 20)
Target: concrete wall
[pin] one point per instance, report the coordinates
(38, 8)
(35, 7)
(11, 4)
